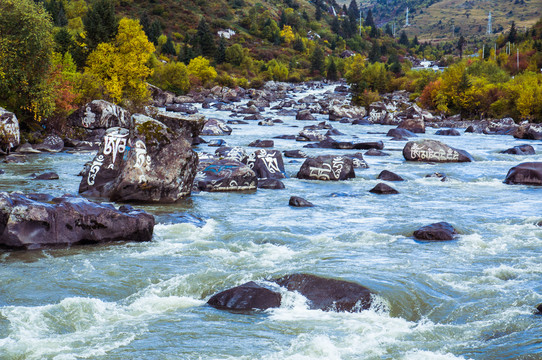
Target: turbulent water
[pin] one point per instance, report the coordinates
(469, 298)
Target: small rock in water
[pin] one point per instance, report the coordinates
(47, 176)
(297, 154)
(376, 152)
(216, 143)
(436, 232)
(389, 176)
(538, 309)
(383, 189)
(272, 184)
(297, 201)
(262, 143)
(15, 159)
(448, 132)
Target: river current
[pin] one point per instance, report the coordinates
(472, 297)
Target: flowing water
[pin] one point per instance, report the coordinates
(468, 298)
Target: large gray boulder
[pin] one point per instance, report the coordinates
(9, 130)
(246, 297)
(216, 127)
(27, 223)
(529, 132)
(148, 163)
(528, 173)
(434, 151)
(328, 294)
(100, 114)
(327, 167)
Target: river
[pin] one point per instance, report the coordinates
(469, 298)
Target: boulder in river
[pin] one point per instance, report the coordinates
(226, 175)
(304, 115)
(436, 232)
(447, 132)
(150, 163)
(529, 132)
(262, 143)
(246, 297)
(9, 130)
(328, 294)
(267, 164)
(296, 154)
(520, 150)
(400, 133)
(270, 184)
(327, 167)
(47, 176)
(434, 151)
(29, 224)
(415, 125)
(337, 112)
(100, 114)
(528, 173)
(216, 127)
(234, 153)
(52, 144)
(389, 176)
(297, 201)
(383, 189)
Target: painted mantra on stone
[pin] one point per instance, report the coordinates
(418, 152)
(94, 168)
(114, 144)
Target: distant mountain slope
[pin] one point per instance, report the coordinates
(434, 19)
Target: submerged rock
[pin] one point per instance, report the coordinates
(383, 189)
(297, 201)
(328, 294)
(389, 176)
(528, 173)
(434, 151)
(327, 167)
(29, 224)
(520, 150)
(270, 184)
(47, 176)
(246, 297)
(436, 232)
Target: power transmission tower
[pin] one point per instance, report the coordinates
(489, 24)
(407, 23)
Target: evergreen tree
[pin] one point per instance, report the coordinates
(155, 31)
(317, 60)
(146, 24)
(353, 10)
(374, 32)
(374, 54)
(415, 41)
(204, 39)
(298, 44)
(61, 19)
(282, 20)
(513, 33)
(403, 39)
(186, 54)
(168, 48)
(460, 43)
(332, 71)
(64, 41)
(369, 20)
(336, 26)
(221, 51)
(388, 30)
(100, 23)
(318, 14)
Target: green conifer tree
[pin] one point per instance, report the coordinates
(100, 23)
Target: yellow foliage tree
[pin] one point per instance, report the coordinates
(200, 68)
(287, 34)
(120, 66)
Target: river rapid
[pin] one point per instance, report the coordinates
(472, 297)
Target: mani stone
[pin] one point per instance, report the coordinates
(216, 127)
(267, 164)
(52, 144)
(434, 151)
(327, 167)
(436, 232)
(9, 130)
(328, 294)
(26, 223)
(528, 173)
(246, 297)
(226, 175)
(100, 114)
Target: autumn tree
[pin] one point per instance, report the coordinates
(120, 66)
(26, 48)
(172, 76)
(202, 70)
(287, 34)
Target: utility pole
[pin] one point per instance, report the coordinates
(489, 24)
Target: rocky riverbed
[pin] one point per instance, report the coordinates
(445, 266)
